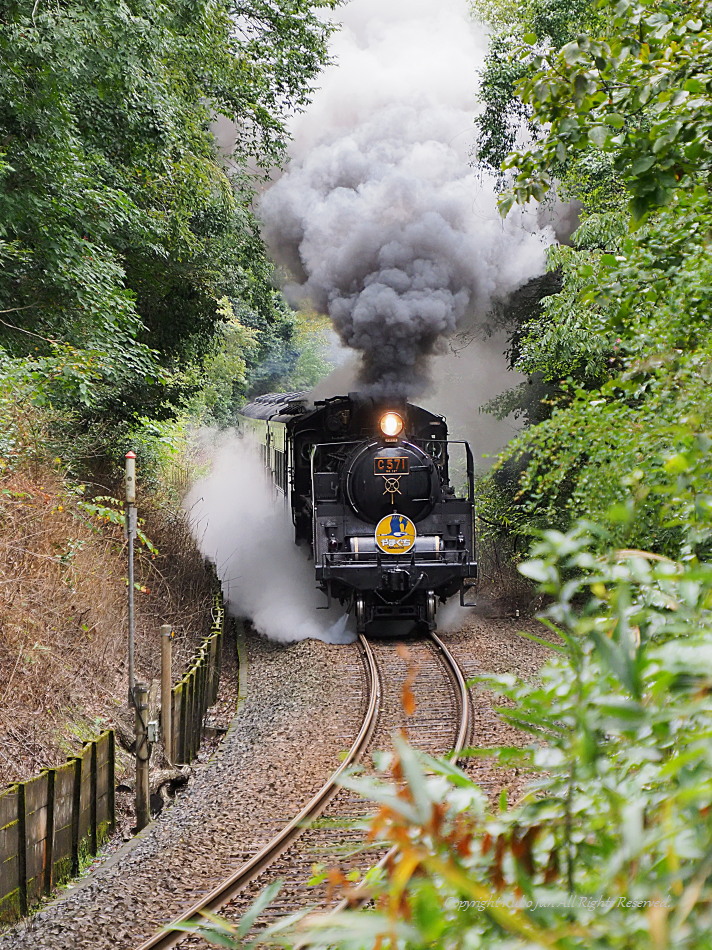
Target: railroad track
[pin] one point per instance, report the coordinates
(440, 723)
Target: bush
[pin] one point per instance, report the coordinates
(611, 845)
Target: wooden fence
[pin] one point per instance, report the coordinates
(198, 690)
(49, 823)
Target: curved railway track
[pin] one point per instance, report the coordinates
(440, 723)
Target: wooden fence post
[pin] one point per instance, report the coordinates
(22, 848)
(214, 667)
(166, 685)
(204, 672)
(143, 752)
(94, 793)
(187, 706)
(183, 686)
(196, 710)
(76, 807)
(218, 660)
(177, 720)
(49, 847)
(111, 779)
(190, 717)
(202, 703)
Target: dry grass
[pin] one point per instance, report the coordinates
(63, 593)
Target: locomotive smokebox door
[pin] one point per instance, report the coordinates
(383, 479)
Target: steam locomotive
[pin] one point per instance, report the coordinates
(372, 490)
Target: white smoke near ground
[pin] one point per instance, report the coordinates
(451, 616)
(243, 526)
(380, 220)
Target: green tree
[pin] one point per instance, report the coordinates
(557, 21)
(623, 344)
(120, 229)
(640, 92)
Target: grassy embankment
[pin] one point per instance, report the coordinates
(63, 596)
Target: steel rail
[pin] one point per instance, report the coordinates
(463, 695)
(358, 900)
(247, 872)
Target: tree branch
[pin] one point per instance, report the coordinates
(11, 326)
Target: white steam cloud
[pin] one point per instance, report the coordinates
(380, 220)
(243, 525)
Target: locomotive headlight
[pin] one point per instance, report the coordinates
(391, 424)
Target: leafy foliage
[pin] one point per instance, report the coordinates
(120, 228)
(610, 846)
(642, 93)
(311, 343)
(225, 368)
(500, 125)
(500, 121)
(622, 346)
(107, 510)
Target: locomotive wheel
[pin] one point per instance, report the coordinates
(360, 611)
(431, 606)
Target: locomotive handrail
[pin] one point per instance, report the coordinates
(470, 463)
(312, 473)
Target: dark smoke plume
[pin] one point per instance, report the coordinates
(380, 220)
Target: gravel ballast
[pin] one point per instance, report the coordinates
(304, 706)
(492, 646)
(302, 709)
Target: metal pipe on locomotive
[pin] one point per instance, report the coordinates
(371, 492)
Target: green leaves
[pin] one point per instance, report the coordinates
(637, 80)
(642, 165)
(120, 228)
(619, 661)
(599, 135)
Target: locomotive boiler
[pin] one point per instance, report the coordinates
(381, 496)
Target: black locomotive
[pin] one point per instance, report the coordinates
(372, 490)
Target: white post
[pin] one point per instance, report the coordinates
(131, 524)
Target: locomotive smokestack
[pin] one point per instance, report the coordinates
(380, 220)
